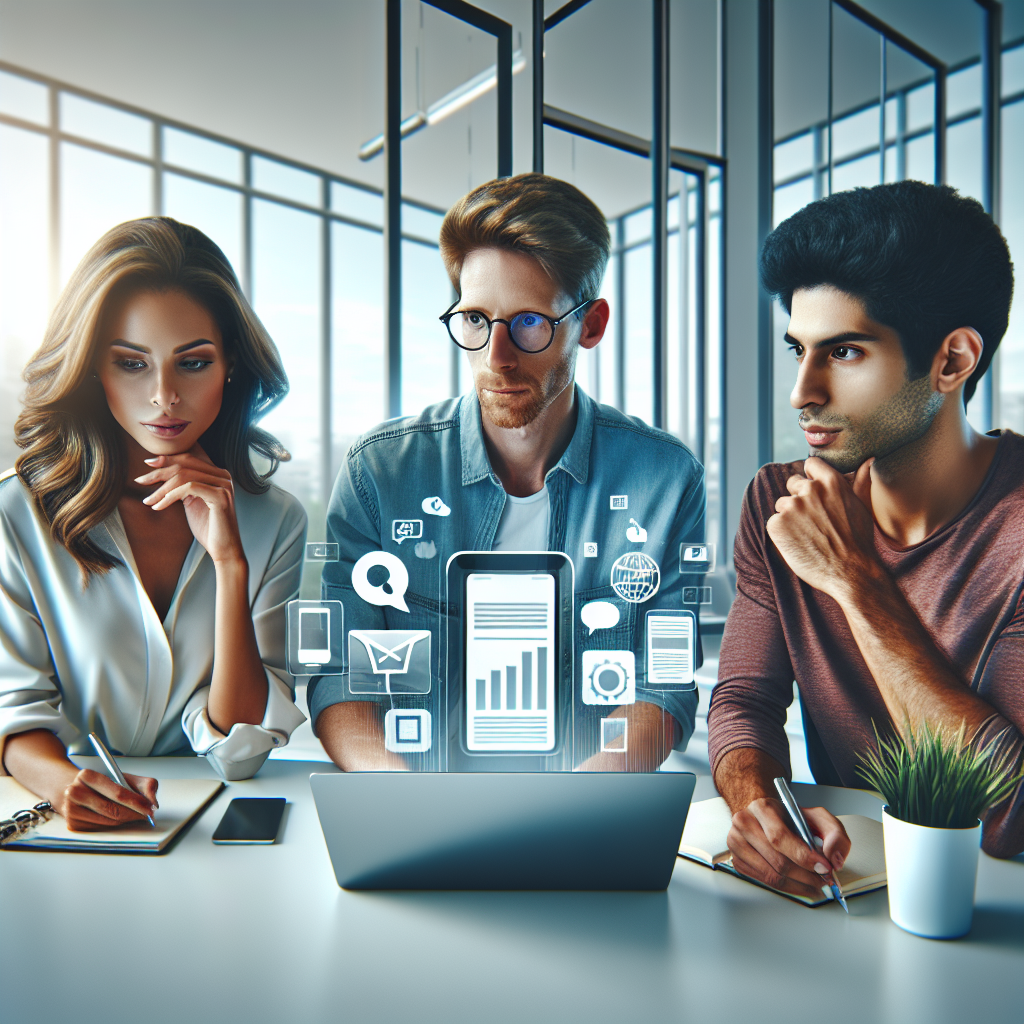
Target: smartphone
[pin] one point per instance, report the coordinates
(314, 636)
(250, 821)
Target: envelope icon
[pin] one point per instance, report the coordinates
(385, 661)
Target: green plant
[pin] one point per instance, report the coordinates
(935, 778)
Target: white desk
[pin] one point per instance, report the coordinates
(212, 933)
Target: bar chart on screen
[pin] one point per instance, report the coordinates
(510, 662)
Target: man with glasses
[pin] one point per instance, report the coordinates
(524, 462)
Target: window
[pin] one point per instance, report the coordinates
(305, 244)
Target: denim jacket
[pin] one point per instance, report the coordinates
(389, 472)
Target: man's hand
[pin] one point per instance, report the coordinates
(765, 847)
(824, 529)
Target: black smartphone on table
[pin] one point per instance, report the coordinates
(251, 821)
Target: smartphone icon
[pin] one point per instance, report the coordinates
(314, 636)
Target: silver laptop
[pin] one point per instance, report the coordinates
(454, 830)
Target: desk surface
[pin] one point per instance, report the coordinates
(213, 933)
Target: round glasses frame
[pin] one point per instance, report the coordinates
(446, 318)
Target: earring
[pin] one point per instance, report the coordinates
(228, 380)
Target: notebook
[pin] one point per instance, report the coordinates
(708, 824)
(181, 801)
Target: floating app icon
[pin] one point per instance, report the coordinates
(382, 579)
(321, 551)
(435, 507)
(589, 549)
(407, 730)
(670, 642)
(386, 661)
(617, 502)
(406, 529)
(635, 533)
(696, 595)
(697, 558)
(315, 637)
(425, 549)
(609, 677)
(635, 577)
(614, 732)
(599, 615)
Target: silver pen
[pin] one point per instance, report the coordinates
(800, 822)
(112, 769)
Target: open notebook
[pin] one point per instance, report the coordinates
(181, 801)
(708, 823)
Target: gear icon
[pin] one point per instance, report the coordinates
(608, 681)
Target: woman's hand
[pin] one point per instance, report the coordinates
(93, 802)
(208, 494)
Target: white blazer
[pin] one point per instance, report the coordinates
(77, 658)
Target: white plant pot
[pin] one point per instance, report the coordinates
(931, 876)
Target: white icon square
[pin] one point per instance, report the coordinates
(618, 501)
(609, 677)
(321, 551)
(407, 730)
(614, 733)
(589, 549)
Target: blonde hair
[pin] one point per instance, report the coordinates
(544, 218)
(74, 460)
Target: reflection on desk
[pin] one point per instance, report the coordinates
(263, 933)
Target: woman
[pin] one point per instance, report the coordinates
(145, 564)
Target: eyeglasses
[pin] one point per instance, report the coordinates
(531, 332)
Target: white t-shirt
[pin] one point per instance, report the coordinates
(524, 523)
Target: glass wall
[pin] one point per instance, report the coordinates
(835, 132)
(305, 244)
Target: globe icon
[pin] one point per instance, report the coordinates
(635, 577)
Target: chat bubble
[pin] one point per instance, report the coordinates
(406, 529)
(599, 615)
(391, 580)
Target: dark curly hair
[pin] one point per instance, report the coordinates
(923, 259)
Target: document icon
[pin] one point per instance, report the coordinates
(385, 661)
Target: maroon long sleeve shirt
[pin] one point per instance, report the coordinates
(965, 583)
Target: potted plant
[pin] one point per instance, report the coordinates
(936, 788)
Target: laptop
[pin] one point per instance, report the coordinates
(517, 830)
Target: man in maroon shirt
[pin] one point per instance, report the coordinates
(885, 573)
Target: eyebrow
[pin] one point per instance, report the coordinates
(142, 348)
(836, 339)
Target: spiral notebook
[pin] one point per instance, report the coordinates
(707, 828)
(181, 802)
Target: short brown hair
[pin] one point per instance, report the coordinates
(544, 218)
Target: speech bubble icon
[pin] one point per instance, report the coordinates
(599, 615)
(391, 580)
(435, 507)
(406, 529)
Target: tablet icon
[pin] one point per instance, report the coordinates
(635, 533)
(407, 730)
(435, 507)
(614, 733)
(382, 579)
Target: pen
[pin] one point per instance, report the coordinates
(112, 769)
(800, 822)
